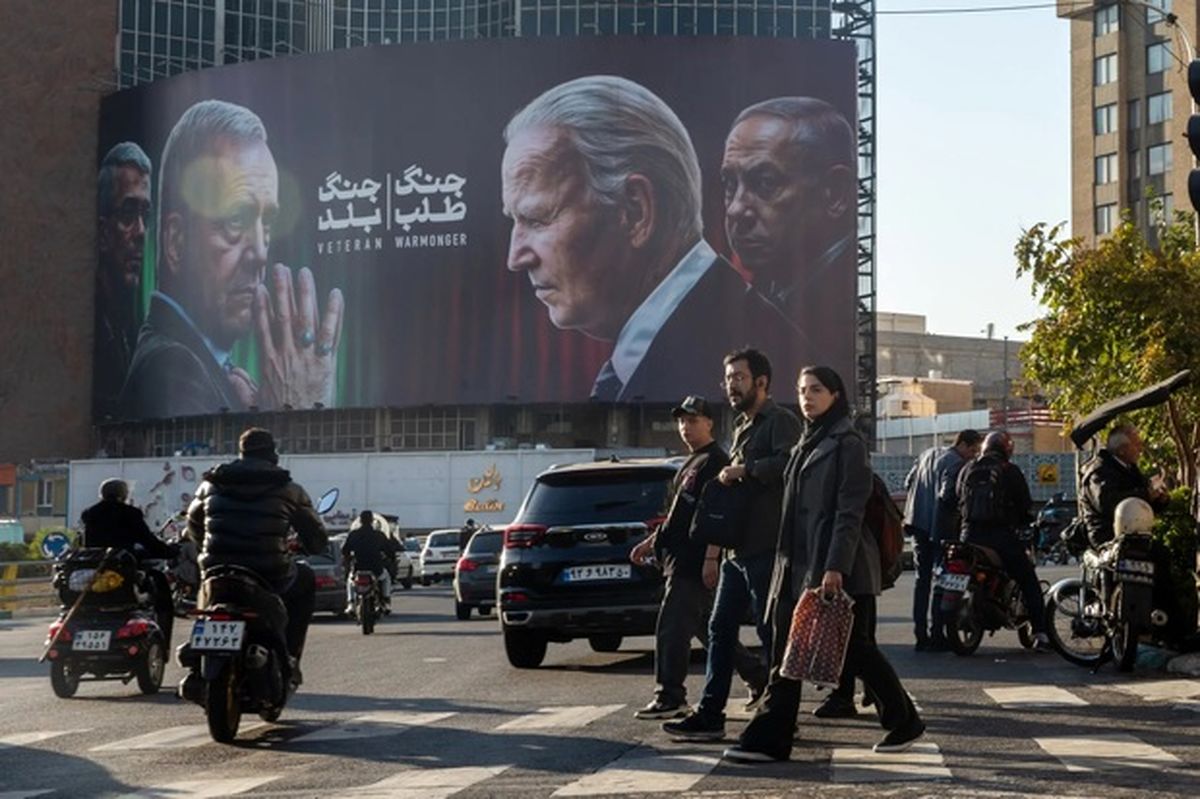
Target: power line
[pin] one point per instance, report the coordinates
(976, 9)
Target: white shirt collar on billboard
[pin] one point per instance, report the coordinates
(221, 355)
(645, 322)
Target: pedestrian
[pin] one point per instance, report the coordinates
(994, 502)
(763, 436)
(823, 546)
(690, 566)
(931, 517)
(465, 532)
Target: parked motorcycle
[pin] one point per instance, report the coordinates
(236, 652)
(978, 596)
(107, 630)
(368, 600)
(1054, 517)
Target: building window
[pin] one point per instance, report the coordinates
(1158, 108)
(1106, 219)
(1107, 19)
(1106, 169)
(1106, 119)
(1159, 159)
(1106, 69)
(1156, 14)
(1158, 57)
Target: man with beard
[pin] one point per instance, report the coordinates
(602, 184)
(218, 198)
(789, 184)
(122, 205)
(762, 441)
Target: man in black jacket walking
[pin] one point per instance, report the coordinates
(242, 513)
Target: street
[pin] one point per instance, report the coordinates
(429, 707)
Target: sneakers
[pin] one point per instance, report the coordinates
(1041, 642)
(191, 688)
(835, 707)
(740, 754)
(661, 710)
(695, 727)
(901, 738)
(755, 699)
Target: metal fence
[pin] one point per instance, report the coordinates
(25, 584)
(1048, 474)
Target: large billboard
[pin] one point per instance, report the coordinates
(538, 220)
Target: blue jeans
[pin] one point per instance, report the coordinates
(927, 555)
(744, 583)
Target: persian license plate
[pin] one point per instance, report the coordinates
(599, 571)
(221, 636)
(1136, 566)
(91, 640)
(953, 582)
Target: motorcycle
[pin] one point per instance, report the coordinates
(368, 600)
(1104, 612)
(108, 628)
(978, 596)
(236, 652)
(1054, 517)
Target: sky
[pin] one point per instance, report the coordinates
(973, 127)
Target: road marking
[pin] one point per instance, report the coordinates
(372, 725)
(923, 761)
(1107, 752)
(1032, 696)
(171, 738)
(1160, 689)
(24, 794)
(199, 789)
(643, 770)
(434, 660)
(1189, 704)
(26, 738)
(569, 717)
(425, 783)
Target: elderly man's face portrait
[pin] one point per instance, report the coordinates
(572, 247)
(123, 229)
(769, 206)
(234, 198)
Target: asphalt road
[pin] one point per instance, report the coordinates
(429, 707)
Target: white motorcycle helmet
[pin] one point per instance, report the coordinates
(1133, 515)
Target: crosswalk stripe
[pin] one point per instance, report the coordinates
(923, 761)
(200, 789)
(1031, 696)
(569, 717)
(25, 794)
(1160, 689)
(424, 783)
(26, 738)
(1189, 704)
(372, 725)
(182, 737)
(1106, 752)
(643, 770)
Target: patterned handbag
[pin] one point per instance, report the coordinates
(818, 638)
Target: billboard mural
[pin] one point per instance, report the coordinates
(531, 220)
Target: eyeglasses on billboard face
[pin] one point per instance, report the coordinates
(735, 379)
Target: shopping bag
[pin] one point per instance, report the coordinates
(818, 638)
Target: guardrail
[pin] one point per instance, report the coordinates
(25, 584)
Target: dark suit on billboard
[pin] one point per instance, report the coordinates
(712, 312)
(174, 373)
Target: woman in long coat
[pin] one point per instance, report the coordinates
(823, 546)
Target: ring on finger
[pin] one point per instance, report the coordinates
(307, 339)
(323, 348)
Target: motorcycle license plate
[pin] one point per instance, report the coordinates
(221, 636)
(91, 640)
(600, 571)
(1136, 566)
(953, 582)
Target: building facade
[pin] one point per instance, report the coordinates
(1129, 108)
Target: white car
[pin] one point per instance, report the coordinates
(406, 570)
(440, 554)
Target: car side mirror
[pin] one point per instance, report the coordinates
(327, 501)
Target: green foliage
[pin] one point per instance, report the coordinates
(1176, 528)
(1119, 315)
(11, 552)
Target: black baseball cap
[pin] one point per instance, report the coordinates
(692, 405)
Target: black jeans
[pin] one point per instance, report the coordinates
(1019, 567)
(773, 726)
(927, 554)
(164, 605)
(299, 596)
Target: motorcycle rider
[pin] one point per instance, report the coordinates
(242, 513)
(371, 550)
(113, 522)
(994, 503)
(1108, 479)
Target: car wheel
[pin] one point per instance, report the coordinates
(604, 643)
(526, 649)
(424, 580)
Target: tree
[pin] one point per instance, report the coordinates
(1119, 315)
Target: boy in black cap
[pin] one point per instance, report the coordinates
(690, 567)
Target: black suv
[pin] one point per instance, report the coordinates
(565, 570)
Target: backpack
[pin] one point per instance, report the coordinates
(884, 520)
(982, 495)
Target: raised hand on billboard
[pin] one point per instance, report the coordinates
(299, 358)
(243, 386)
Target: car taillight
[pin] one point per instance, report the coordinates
(134, 628)
(325, 581)
(466, 565)
(523, 536)
(513, 597)
(362, 579)
(65, 635)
